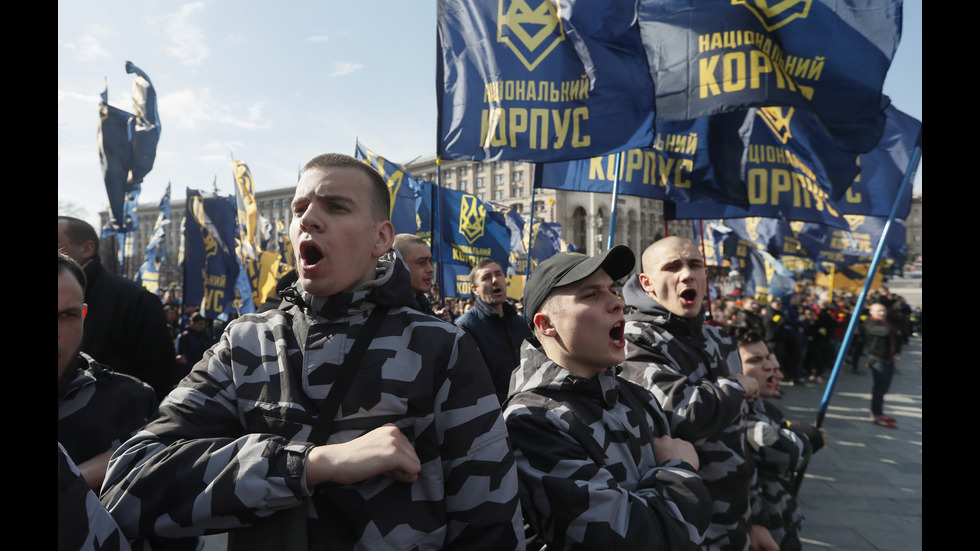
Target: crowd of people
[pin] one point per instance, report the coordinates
(609, 407)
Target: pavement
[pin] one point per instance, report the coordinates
(863, 490)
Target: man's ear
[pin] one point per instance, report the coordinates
(386, 237)
(645, 283)
(88, 251)
(543, 324)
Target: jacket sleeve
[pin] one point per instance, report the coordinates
(194, 470)
(697, 408)
(482, 504)
(575, 502)
(778, 450)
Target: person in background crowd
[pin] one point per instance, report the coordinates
(494, 323)
(418, 257)
(125, 328)
(695, 372)
(597, 463)
(882, 348)
(193, 342)
(417, 456)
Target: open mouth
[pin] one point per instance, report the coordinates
(689, 295)
(616, 333)
(310, 253)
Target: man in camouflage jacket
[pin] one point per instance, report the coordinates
(779, 448)
(597, 465)
(694, 371)
(418, 456)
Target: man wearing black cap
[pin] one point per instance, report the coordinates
(695, 372)
(596, 463)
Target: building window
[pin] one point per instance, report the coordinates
(479, 183)
(518, 177)
(480, 167)
(498, 179)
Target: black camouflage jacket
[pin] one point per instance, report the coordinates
(229, 443)
(685, 364)
(779, 452)
(589, 478)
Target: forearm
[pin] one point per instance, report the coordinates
(93, 470)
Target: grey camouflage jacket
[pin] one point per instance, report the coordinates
(779, 452)
(685, 364)
(229, 443)
(589, 478)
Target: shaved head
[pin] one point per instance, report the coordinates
(674, 275)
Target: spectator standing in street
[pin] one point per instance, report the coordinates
(882, 349)
(494, 323)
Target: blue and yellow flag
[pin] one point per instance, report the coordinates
(211, 267)
(824, 56)
(127, 147)
(766, 277)
(470, 231)
(156, 249)
(855, 245)
(406, 191)
(875, 190)
(247, 211)
(540, 81)
(771, 161)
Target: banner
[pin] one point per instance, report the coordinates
(469, 232)
(771, 161)
(766, 277)
(406, 191)
(857, 244)
(824, 56)
(211, 267)
(156, 249)
(874, 191)
(127, 147)
(540, 81)
(247, 210)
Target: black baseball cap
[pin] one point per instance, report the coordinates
(567, 268)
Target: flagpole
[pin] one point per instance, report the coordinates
(913, 161)
(436, 199)
(615, 200)
(527, 256)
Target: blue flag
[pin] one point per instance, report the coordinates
(406, 191)
(825, 56)
(766, 277)
(470, 231)
(247, 211)
(854, 245)
(772, 161)
(211, 267)
(156, 249)
(127, 146)
(874, 191)
(525, 80)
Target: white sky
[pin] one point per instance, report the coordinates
(274, 84)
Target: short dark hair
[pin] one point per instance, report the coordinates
(68, 264)
(79, 231)
(744, 335)
(480, 265)
(381, 195)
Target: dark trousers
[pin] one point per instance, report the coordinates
(882, 378)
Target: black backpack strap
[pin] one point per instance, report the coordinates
(321, 429)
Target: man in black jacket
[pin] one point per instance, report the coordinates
(125, 328)
(881, 346)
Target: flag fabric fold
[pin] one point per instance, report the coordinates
(540, 81)
(826, 56)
